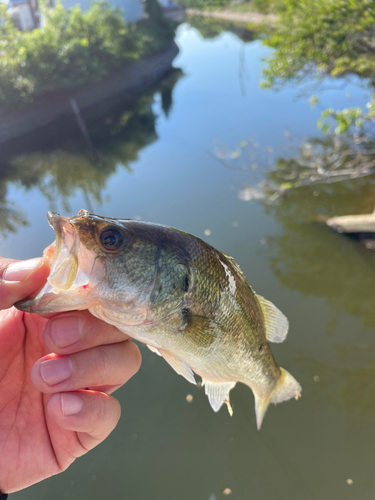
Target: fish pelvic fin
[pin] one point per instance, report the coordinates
(178, 365)
(286, 388)
(218, 394)
(153, 349)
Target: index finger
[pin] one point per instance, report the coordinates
(75, 331)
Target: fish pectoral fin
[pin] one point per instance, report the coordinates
(276, 324)
(153, 349)
(178, 365)
(200, 330)
(286, 388)
(218, 394)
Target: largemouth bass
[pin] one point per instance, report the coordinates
(187, 301)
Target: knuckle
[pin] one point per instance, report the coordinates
(102, 365)
(101, 414)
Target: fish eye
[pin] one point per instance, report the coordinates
(111, 239)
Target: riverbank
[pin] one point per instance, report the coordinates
(240, 17)
(90, 99)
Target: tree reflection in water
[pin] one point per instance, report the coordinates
(312, 259)
(308, 256)
(210, 28)
(58, 172)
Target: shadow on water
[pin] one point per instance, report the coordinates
(64, 164)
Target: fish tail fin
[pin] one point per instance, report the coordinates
(286, 388)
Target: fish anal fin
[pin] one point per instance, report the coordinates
(218, 394)
(286, 388)
(276, 324)
(178, 365)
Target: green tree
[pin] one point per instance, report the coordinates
(314, 38)
(210, 28)
(204, 4)
(73, 48)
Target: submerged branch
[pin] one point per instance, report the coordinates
(320, 161)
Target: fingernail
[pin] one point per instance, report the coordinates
(66, 331)
(19, 271)
(71, 404)
(54, 371)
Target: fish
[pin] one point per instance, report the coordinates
(190, 303)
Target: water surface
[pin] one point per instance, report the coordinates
(157, 163)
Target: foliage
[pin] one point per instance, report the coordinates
(209, 28)
(264, 6)
(204, 4)
(347, 118)
(320, 37)
(74, 47)
(323, 36)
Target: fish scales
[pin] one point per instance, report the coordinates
(186, 300)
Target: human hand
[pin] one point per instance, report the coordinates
(55, 377)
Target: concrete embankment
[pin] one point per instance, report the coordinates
(49, 110)
(237, 17)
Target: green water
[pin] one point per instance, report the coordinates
(157, 162)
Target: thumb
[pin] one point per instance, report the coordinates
(20, 279)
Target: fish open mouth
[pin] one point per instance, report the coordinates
(68, 283)
(64, 267)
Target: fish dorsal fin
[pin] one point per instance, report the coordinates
(276, 323)
(153, 349)
(179, 366)
(218, 394)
